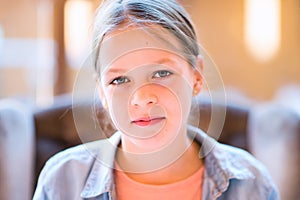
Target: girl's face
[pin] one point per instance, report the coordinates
(148, 93)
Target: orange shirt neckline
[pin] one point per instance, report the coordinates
(189, 188)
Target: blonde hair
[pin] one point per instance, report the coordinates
(167, 14)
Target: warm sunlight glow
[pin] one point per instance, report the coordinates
(78, 21)
(262, 27)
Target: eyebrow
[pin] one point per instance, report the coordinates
(160, 61)
(116, 70)
(164, 60)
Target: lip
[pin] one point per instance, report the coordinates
(147, 121)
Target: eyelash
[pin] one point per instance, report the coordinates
(168, 73)
(156, 75)
(115, 81)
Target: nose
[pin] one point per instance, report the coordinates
(143, 97)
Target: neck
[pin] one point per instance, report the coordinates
(172, 163)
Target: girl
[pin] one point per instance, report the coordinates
(148, 70)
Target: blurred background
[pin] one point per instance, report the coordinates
(254, 43)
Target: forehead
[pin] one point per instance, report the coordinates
(120, 43)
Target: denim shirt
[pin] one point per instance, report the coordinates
(86, 172)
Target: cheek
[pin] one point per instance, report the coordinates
(182, 91)
(175, 99)
(117, 104)
(169, 99)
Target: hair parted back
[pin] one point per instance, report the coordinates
(168, 14)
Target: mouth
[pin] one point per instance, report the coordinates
(147, 121)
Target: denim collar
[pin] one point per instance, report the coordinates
(219, 166)
(101, 180)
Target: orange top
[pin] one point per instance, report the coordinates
(188, 189)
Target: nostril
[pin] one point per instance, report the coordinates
(143, 99)
(151, 102)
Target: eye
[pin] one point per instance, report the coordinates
(119, 80)
(162, 73)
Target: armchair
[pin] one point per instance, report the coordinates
(30, 136)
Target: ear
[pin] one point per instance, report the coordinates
(101, 94)
(198, 76)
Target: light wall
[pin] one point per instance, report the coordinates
(221, 31)
(220, 26)
(18, 19)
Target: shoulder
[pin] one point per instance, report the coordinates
(81, 154)
(80, 157)
(68, 170)
(243, 171)
(238, 162)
